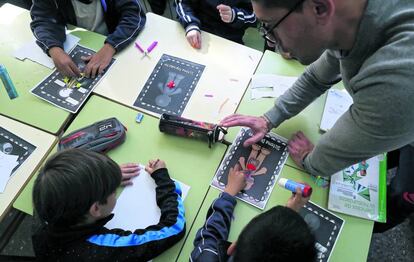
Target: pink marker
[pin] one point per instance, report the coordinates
(152, 46)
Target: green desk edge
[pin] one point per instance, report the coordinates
(189, 161)
(26, 74)
(356, 232)
(307, 121)
(355, 235)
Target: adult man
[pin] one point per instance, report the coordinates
(368, 45)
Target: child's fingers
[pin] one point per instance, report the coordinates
(298, 191)
(86, 58)
(74, 69)
(101, 68)
(129, 175)
(237, 167)
(126, 166)
(126, 183)
(194, 41)
(198, 40)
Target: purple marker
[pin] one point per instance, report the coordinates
(139, 47)
(292, 185)
(152, 46)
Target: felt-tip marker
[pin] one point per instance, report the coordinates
(292, 185)
(7, 82)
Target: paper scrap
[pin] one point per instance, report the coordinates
(33, 52)
(7, 164)
(337, 103)
(270, 85)
(136, 206)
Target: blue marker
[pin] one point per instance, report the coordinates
(292, 185)
(7, 82)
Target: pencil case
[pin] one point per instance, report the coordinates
(100, 137)
(180, 126)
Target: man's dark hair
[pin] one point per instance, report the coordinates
(279, 234)
(286, 4)
(70, 182)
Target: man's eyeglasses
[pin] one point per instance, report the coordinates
(267, 32)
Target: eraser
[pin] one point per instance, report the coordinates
(139, 118)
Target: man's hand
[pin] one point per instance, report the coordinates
(297, 201)
(63, 62)
(154, 165)
(97, 63)
(226, 13)
(194, 38)
(257, 124)
(299, 146)
(129, 171)
(236, 181)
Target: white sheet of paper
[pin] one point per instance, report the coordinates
(337, 103)
(136, 207)
(270, 85)
(7, 164)
(33, 52)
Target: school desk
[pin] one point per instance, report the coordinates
(43, 143)
(189, 161)
(14, 33)
(307, 121)
(352, 244)
(228, 69)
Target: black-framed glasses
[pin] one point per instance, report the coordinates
(267, 33)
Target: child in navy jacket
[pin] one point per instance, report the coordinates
(120, 20)
(279, 234)
(74, 196)
(228, 19)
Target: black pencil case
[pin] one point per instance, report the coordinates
(180, 126)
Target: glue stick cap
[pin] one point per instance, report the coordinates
(307, 191)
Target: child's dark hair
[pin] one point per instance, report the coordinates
(279, 234)
(70, 182)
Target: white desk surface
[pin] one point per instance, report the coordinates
(228, 69)
(43, 142)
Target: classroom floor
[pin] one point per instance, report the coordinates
(395, 245)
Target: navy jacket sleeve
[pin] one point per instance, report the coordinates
(131, 22)
(186, 15)
(145, 244)
(244, 16)
(216, 228)
(47, 27)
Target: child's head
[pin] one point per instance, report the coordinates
(279, 234)
(75, 185)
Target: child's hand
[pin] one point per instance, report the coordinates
(154, 165)
(97, 63)
(129, 171)
(226, 13)
(236, 181)
(297, 201)
(64, 63)
(194, 38)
